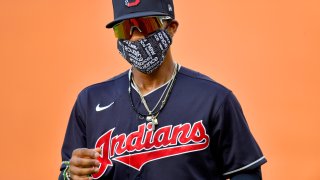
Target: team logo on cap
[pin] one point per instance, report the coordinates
(132, 3)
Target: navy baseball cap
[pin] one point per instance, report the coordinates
(126, 9)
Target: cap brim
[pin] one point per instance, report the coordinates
(134, 15)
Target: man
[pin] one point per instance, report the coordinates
(158, 120)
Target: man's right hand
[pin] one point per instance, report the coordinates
(83, 163)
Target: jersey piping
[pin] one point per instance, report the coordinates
(244, 167)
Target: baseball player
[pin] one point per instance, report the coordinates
(158, 120)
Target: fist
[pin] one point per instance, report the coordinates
(83, 163)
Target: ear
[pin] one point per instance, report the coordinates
(172, 27)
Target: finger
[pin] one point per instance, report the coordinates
(76, 177)
(84, 162)
(83, 171)
(84, 152)
(98, 150)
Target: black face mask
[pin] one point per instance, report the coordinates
(146, 54)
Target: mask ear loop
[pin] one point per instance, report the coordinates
(166, 29)
(168, 20)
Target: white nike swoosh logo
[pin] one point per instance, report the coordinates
(98, 108)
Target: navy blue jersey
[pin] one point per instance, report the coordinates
(201, 134)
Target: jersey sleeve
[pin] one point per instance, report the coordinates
(238, 149)
(75, 136)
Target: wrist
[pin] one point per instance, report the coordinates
(66, 172)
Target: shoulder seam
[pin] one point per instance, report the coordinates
(195, 77)
(106, 81)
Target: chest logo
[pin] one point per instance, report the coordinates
(144, 145)
(98, 108)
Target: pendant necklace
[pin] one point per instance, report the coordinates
(153, 114)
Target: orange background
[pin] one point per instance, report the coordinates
(267, 52)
